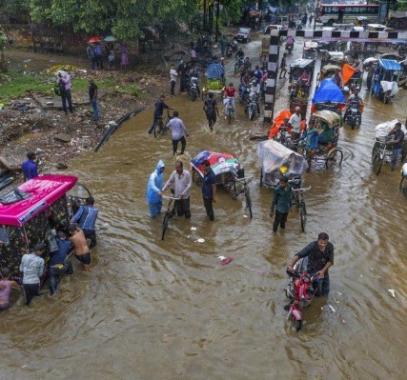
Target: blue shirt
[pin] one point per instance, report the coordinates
(64, 247)
(209, 180)
(29, 169)
(86, 217)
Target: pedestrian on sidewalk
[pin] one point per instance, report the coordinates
(178, 133)
(32, 268)
(93, 98)
(281, 204)
(283, 66)
(173, 80)
(65, 87)
(209, 190)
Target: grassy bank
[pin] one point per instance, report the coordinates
(16, 85)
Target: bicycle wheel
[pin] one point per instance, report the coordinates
(164, 225)
(303, 216)
(248, 202)
(155, 129)
(403, 185)
(377, 164)
(334, 157)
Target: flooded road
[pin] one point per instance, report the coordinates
(167, 310)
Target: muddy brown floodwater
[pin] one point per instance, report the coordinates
(167, 310)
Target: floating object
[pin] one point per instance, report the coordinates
(245, 216)
(225, 260)
(193, 228)
(200, 240)
(392, 292)
(332, 308)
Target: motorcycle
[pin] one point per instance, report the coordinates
(229, 109)
(231, 48)
(289, 48)
(238, 65)
(193, 88)
(300, 291)
(353, 117)
(243, 93)
(252, 106)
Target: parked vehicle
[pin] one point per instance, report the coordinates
(228, 171)
(310, 50)
(25, 212)
(385, 79)
(243, 35)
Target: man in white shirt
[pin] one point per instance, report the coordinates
(295, 123)
(178, 133)
(173, 79)
(32, 267)
(180, 182)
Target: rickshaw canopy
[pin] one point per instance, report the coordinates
(309, 45)
(390, 65)
(328, 92)
(302, 63)
(215, 71)
(272, 155)
(336, 55)
(330, 67)
(32, 197)
(220, 162)
(347, 72)
(332, 119)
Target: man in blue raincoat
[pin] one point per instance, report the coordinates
(154, 186)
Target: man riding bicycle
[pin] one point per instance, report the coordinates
(320, 256)
(159, 107)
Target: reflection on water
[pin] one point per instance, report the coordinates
(167, 310)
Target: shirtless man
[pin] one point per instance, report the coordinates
(80, 245)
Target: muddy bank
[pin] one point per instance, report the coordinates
(36, 122)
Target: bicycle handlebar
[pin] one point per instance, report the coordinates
(169, 197)
(302, 189)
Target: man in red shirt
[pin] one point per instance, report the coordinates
(230, 92)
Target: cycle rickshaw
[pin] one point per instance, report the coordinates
(276, 160)
(228, 171)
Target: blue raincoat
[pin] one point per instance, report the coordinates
(154, 186)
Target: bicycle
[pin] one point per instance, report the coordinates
(240, 186)
(381, 153)
(169, 213)
(160, 127)
(300, 200)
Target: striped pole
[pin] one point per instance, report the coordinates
(271, 82)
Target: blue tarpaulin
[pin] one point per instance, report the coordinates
(215, 71)
(328, 92)
(390, 65)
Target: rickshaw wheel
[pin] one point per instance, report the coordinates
(196, 177)
(403, 185)
(377, 163)
(334, 157)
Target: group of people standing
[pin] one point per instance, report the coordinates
(98, 53)
(180, 182)
(64, 90)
